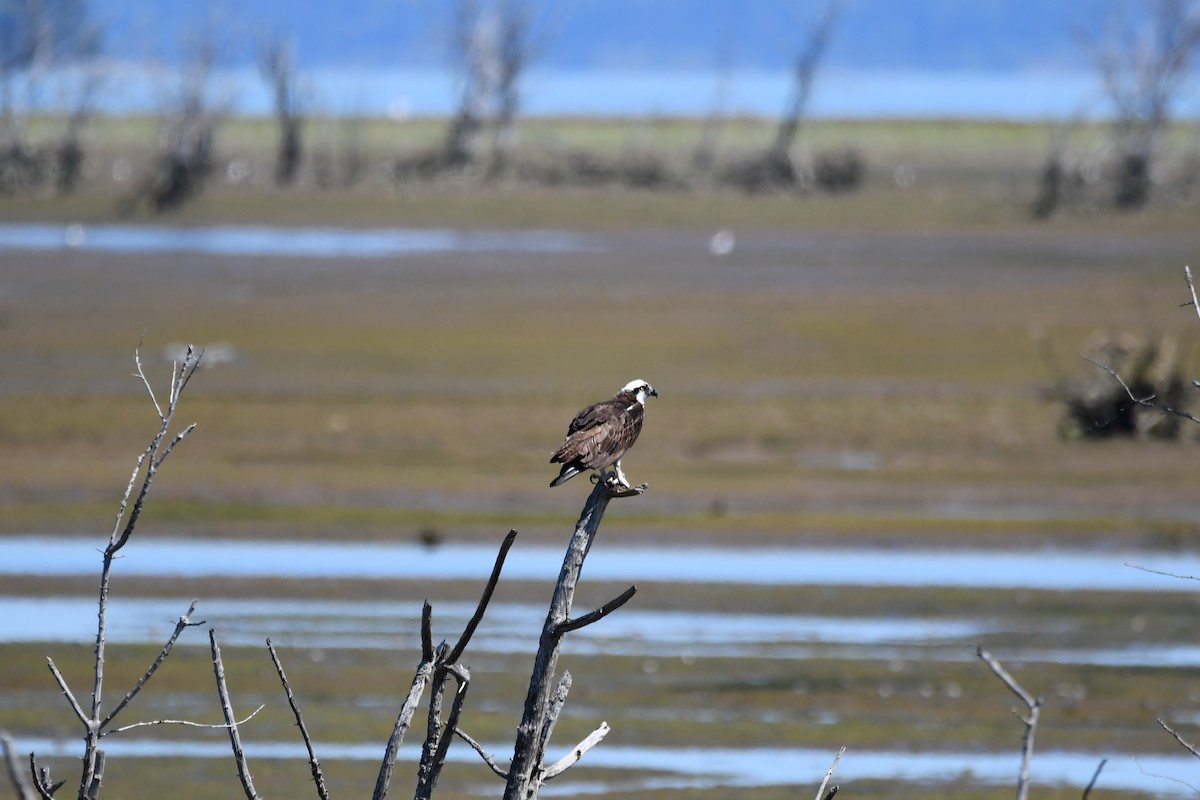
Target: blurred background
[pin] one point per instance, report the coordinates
(908, 277)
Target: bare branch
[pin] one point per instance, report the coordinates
(141, 373)
(433, 768)
(821, 791)
(1163, 572)
(235, 738)
(1183, 742)
(180, 625)
(486, 597)
(1164, 777)
(597, 614)
(487, 758)
(41, 780)
(185, 723)
(594, 738)
(1034, 706)
(1095, 776)
(24, 790)
(1145, 401)
(313, 762)
(403, 721)
(426, 632)
(67, 693)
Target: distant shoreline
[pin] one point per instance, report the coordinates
(129, 88)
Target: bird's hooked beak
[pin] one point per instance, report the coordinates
(652, 392)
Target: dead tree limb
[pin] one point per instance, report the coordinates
(41, 780)
(527, 772)
(16, 776)
(235, 738)
(821, 795)
(437, 666)
(146, 467)
(1182, 742)
(1033, 706)
(313, 762)
(1095, 777)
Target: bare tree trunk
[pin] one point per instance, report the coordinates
(277, 65)
(1143, 65)
(527, 773)
(804, 75)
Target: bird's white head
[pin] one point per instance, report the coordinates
(640, 389)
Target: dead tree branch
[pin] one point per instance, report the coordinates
(148, 462)
(1183, 742)
(485, 755)
(437, 666)
(313, 762)
(1033, 706)
(527, 772)
(15, 775)
(1095, 777)
(41, 780)
(235, 738)
(821, 795)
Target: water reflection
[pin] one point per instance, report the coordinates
(266, 241)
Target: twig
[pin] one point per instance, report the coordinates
(1183, 742)
(593, 739)
(313, 762)
(1164, 777)
(1034, 704)
(184, 722)
(1144, 401)
(487, 758)
(1163, 572)
(235, 738)
(141, 373)
(821, 791)
(180, 625)
(1095, 776)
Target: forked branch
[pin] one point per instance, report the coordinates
(1033, 707)
(527, 772)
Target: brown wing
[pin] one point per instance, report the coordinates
(600, 434)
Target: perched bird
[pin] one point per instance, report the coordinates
(600, 434)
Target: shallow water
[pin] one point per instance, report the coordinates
(717, 767)
(268, 241)
(794, 566)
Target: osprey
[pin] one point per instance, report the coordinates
(600, 434)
